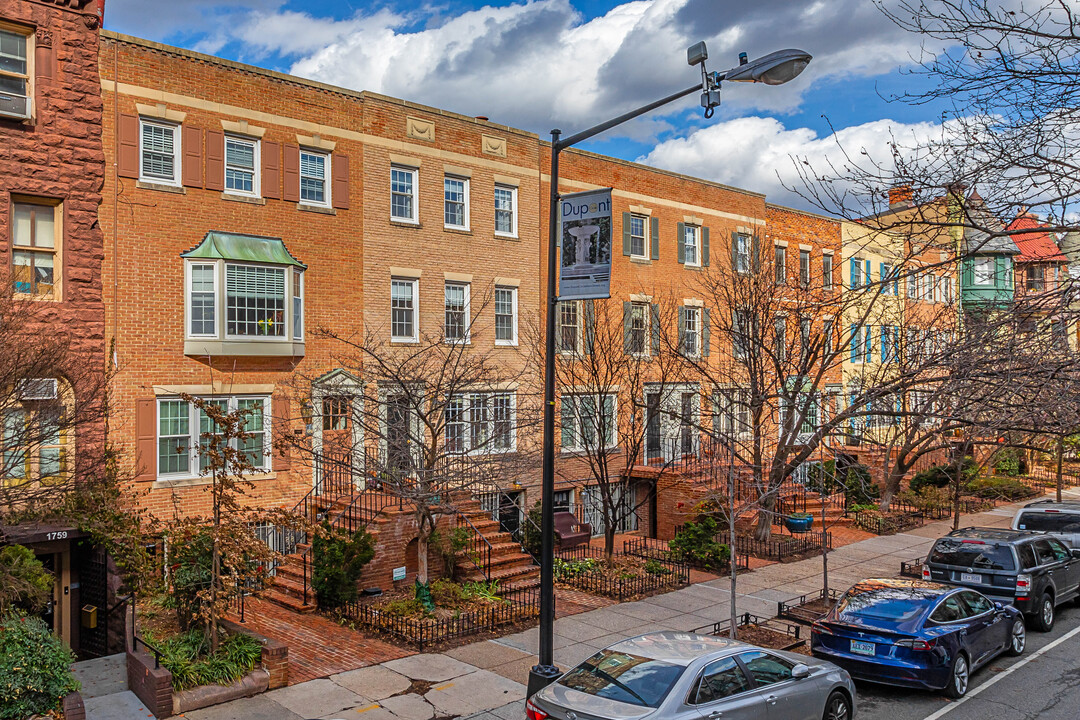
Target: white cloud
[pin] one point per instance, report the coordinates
(759, 153)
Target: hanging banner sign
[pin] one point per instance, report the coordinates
(585, 245)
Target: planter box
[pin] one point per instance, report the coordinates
(791, 631)
(253, 683)
(798, 524)
(805, 609)
(912, 568)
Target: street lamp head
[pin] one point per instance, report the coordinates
(776, 68)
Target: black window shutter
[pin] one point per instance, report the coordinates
(681, 243)
(705, 247)
(655, 325)
(654, 238)
(627, 324)
(626, 233)
(705, 332)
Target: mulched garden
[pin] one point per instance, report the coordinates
(626, 577)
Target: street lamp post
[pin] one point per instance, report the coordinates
(772, 69)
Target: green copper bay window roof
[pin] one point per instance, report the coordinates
(219, 245)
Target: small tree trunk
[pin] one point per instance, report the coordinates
(421, 556)
(609, 544)
(1060, 452)
(732, 553)
(763, 528)
(824, 555)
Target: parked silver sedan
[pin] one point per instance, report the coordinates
(682, 676)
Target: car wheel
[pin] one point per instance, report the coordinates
(958, 677)
(837, 707)
(1044, 615)
(1017, 638)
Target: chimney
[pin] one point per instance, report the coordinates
(482, 117)
(901, 197)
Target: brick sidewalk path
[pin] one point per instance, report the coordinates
(318, 647)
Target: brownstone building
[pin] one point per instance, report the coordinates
(51, 167)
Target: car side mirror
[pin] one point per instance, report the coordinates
(800, 671)
(1075, 553)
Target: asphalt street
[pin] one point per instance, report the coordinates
(1042, 683)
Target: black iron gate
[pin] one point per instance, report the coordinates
(93, 591)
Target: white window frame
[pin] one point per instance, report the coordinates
(513, 317)
(194, 435)
(577, 327)
(29, 76)
(415, 285)
(598, 398)
(859, 340)
(327, 174)
(465, 202)
(466, 320)
(513, 211)
(692, 329)
(469, 405)
(731, 402)
(644, 254)
(296, 312)
(826, 276)
(780, 265)
(692, 231)
(804, 277)
(857, 280)
(743, 250)
(291, 334)
(177, 152)
(256, 173)
(646, 317)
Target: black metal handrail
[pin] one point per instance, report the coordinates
(477, 547)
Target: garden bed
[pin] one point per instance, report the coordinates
(650, 549)
(805, 609)
(629, 577)
(462, 613)
(784, 548)
(771, 633)
(879, 523)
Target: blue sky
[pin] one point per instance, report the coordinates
(539, 64)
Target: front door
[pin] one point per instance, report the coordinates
(337, 445)
(398, 436)
(510, 512)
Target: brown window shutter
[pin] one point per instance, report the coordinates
(281, 432)
(339, 191)
(215, 160)
(146, 439)
(127, 161)
(191, 141)
(291, 172)
(271, 170)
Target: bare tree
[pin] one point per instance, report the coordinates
(434, 421)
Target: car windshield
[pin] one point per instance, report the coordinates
(1050, 522)
(627, 678)
(878, 601)
(972, 554)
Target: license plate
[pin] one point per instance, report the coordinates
(862, 648)
(970, 577)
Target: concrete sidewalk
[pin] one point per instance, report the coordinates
(486, 680)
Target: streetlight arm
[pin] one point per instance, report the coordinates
(597, 129)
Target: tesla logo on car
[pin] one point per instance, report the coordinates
(571, 715)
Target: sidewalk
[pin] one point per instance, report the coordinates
(486, 680)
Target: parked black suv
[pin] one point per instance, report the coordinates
(1034, 572)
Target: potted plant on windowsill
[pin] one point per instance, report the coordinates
(266, 326)
(798, 522)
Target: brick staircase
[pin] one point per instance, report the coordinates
(509, 566)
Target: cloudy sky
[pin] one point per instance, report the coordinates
(539, 64)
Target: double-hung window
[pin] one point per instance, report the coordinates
(242, 166)
(506, 210)
(589, 421)
(202, 300)
(638, 237)
(456, 202)
(691, 331)
(691, 245)
(403, 325)
(184, 433)
(159, 152)
(457, 312)
(506, 316)
(805, 325)
(298, 305)
(827, 340)
(480, 423)
(887, 280)
(742, 329)
(314, 171)
(14, 74)
(568, 326)
(403, 200)
(639, 328)
(913, 286)
(804, 269)
(32, 443)
(733, 412)
(742, 253)
(35, 239)
(826, 271)
(780, 337)
(855, 270)
(780, 265)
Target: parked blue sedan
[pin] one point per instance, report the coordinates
(914, 633)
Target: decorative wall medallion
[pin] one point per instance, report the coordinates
(494, 146)
(420, 129)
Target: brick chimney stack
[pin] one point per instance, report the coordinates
(901, 197)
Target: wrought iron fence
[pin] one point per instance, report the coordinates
(784, 547)
(651, 549)
(722, 628)
(912, 568)
(800, 609)
(513, 607)
(599, 580)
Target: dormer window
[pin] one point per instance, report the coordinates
(245, 296)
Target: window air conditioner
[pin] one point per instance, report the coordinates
(37, 389)
(14, 106)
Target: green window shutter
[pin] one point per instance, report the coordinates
(734, 252)
(854, 342)
(682, 327)
(705, 247)
(609, 420)
(755, 254)
(626, 233)
(881, 276)
(866, 277)
(590, 326)
(968, 273)
(1000, 280)
(566, 421)
(627, 324)
(705, 332)
(654, 325)
(680, 243)
(654, 238)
